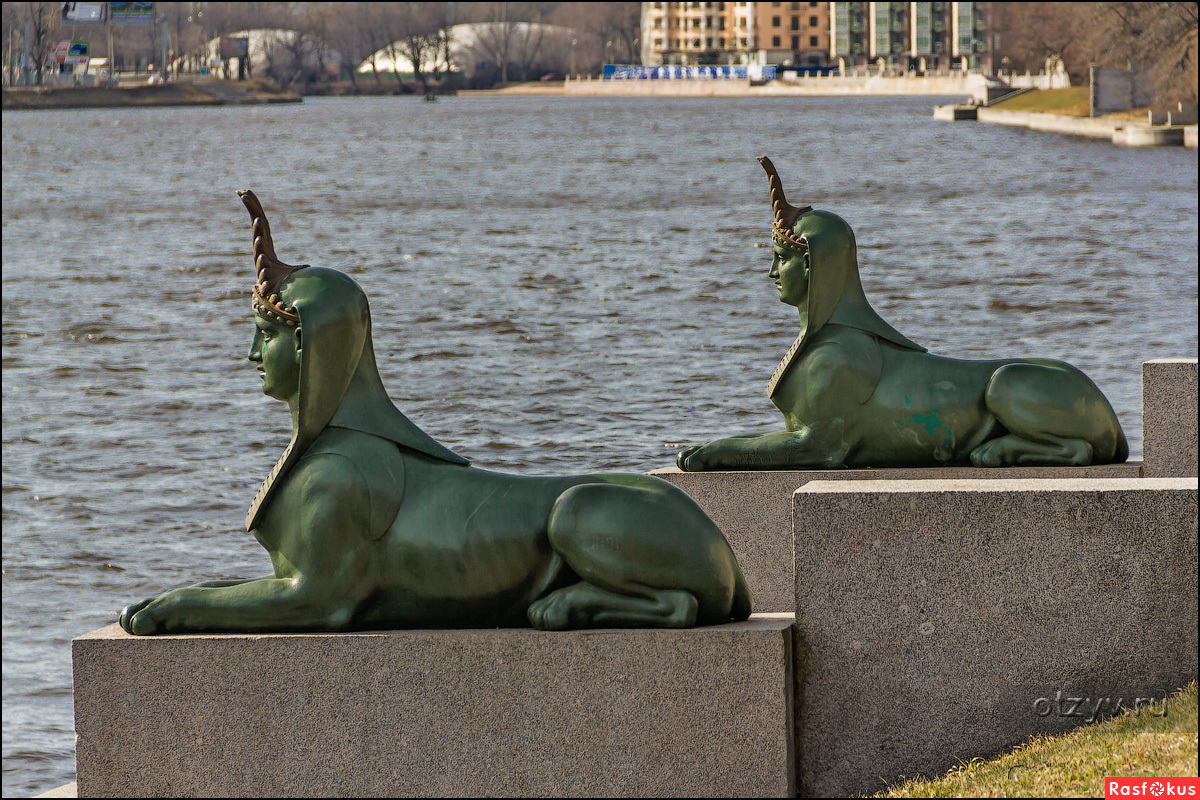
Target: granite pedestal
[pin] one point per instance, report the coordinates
(939, 620)
(1169, 417)
(705, 711)
(754, 510)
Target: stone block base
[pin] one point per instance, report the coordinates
(1169, 417)
(705, 711)
(943, 620)
(754, 510)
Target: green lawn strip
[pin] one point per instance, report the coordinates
(1073, 102)
(1138, 743)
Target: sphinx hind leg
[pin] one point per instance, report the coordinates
(586, 606)
(645, 558)
(1053, 414)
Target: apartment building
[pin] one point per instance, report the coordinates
(911, 37)
(793, 33)
(735, 33)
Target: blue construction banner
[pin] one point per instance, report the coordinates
(638, 72)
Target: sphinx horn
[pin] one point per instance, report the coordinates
(264, 245)
(270, 271)
(785, 214)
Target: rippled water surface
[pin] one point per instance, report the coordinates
(559, 285)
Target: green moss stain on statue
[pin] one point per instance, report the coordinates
(854, 392)
(371, 524)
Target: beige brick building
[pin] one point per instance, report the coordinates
(735, 33)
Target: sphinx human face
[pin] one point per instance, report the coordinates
(276, 351)
(789, 270)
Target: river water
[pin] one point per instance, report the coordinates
(559, 285)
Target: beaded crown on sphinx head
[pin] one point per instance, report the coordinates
(270, 270)
(785, 214)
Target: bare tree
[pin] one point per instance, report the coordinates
(349, 31)
(41, 19)
(1159, 38)
(513, 35)
(414, 37)
(445, 16)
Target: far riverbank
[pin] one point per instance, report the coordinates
(212, 93)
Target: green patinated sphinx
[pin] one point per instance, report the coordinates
(370, 524)
(856, 393)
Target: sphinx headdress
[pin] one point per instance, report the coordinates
(785, 214)
(270, 270)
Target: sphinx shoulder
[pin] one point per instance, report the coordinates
(842, 364)
(359, 467)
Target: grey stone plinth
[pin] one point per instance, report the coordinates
(943, 620)
(754, 510)
(1169, 417)
(705, 711)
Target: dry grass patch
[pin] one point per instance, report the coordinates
(1141, 743)
(1073, 102)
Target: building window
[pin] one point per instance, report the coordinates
(742, 22)
(812, 41)
(696, 22)
(774, 41)
(708, 42)
(745, 42)
(813, 22)
(657, 24)
(658, 42)
(721, 42)
(696, 43)
(721, 24)
(795, 23)
(795, 6)
(775, 21)
(795, 42)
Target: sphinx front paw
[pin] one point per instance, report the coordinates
(688, 460)
(137, 622)
(153, 615)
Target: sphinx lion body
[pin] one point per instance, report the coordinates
(366, 535)
(856, 400)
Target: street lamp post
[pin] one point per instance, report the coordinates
(606, 46)
(573, 41)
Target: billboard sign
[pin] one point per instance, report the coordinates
(70, 53)
(83, 13)
(234, 47)
(131, 13)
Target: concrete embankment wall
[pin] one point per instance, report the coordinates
(933, 86)
(1122, 132)
(1079, 126)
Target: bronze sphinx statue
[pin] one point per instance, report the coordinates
(854, 392)
(371, 524)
